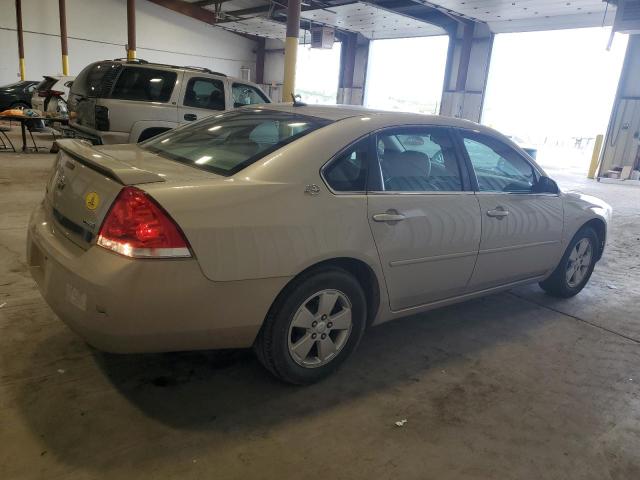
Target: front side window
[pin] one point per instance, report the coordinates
(348, 172)
(498, 167)
(418, 160)
(144, 84)
(204, 93)
(247, 95)
(227, 143)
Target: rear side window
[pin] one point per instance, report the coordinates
(204, 93)
(144, 84)
(227, 143)
(348, 172)
(247, 95)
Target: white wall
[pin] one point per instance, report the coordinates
(97, 30)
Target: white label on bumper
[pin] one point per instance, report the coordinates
(76, 297)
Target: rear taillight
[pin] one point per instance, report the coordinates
(136, 226)
(102, 118)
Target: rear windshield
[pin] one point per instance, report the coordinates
(227, 143)
(96, 80)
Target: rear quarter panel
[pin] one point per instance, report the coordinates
(260, 223)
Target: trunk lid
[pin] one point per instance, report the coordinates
(85, 181)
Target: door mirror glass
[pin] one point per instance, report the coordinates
(546, 185)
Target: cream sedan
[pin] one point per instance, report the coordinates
(293, 228)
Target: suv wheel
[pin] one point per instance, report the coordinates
(313, 327)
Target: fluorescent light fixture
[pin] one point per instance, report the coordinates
(213, 129)
(203, 159)
(297, 124)
(155, 80)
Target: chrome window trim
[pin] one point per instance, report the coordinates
(541, 194)
(423, 192)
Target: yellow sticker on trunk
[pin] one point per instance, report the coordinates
(92, 200)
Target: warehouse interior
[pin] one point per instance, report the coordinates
(517, 384)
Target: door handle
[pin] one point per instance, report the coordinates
(498, 212)
(190, 117)
(389, 216)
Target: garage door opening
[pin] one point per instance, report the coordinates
(553, 91)
(406, 74)
(317, 74)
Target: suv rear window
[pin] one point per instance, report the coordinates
(227, 143)
(96, 80)
(145, 84)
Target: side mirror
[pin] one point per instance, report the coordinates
(546, 185)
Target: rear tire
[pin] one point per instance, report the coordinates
(313, 326)
(576, 266)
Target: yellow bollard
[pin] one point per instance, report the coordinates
(595, 157)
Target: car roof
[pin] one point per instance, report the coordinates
(340, 112)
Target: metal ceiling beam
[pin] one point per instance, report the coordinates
(194, 11)
(189, 9)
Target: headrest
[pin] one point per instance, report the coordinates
(407, 164)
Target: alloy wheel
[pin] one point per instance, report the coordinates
(320, 328)
(579, 262)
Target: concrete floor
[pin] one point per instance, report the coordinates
(513, 386)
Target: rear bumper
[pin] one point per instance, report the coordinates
(126, 305)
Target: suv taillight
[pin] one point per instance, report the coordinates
(136, 226)
(102, 118)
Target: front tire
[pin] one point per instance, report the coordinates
(313, 326)
(576, 266)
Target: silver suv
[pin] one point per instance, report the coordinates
(120, 101)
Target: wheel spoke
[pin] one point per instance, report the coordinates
(327, 302)
(342, 319)
(316, 336)
(304, 318)
(326, 348)
(302, 347)
(582, 247)
(574, 254)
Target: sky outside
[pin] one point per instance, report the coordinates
(317, 72)
(406, 74)
(542, 85)
(555, 84)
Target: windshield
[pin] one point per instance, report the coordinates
(229, 142)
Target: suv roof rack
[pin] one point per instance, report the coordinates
(204, 69)
(134, 60)
(145, 62)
